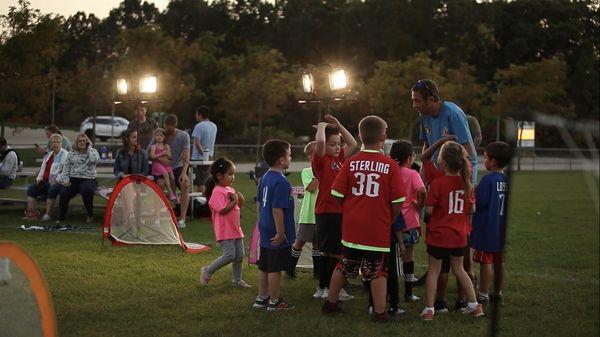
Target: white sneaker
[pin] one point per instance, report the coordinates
(181, 224)
(46, 217)
(204, 277)
(325, 293)
(344, 296)
(241, 284)
(318, 293)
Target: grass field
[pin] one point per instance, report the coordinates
(99, 290)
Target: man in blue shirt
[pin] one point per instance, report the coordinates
(203, 145)
(440, 119)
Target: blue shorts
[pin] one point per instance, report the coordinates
(50, 191)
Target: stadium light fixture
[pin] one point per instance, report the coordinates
(308, 84)
(148, 84)
(122, 87)
(337, 79)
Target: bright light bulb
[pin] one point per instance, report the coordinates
(148, 84)
(337, 79)
(307, 83)
(122, 86)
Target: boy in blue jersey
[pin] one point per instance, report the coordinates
(489, 221)
(275, 225)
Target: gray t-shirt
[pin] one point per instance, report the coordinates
(206, 131)
(180, 143)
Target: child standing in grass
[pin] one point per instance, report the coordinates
(449, 203)
(402, 152)
(371, 191)
(326, 164)
(306, 231)
(489, 222)
(276, 226)
(225, 203)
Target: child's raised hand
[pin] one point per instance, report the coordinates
(332, 120)
(321, 124)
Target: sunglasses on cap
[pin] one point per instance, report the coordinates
(425, 85)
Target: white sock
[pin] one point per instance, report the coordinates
(473, 305)
(429, 308)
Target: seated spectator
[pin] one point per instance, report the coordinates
(126, 161)
(51, 130)
(46, 185)
(79, 176)
(9, 163)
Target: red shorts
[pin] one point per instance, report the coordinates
(488, 258)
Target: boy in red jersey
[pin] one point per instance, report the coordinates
(326, 163)
(368, 181)
(449, 203)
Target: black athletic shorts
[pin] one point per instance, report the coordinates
(440, 253)
(329, 232)
(275, 260)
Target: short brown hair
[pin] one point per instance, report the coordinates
(274, 149)
(500, 152)
(171, 119)
(53, 129)
(371, 128)
(427, 88)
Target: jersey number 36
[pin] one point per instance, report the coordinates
(367, 184)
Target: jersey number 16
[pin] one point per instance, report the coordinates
(456, 202)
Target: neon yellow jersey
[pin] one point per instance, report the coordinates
(307, 211)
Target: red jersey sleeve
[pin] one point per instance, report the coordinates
(315, 164)
(340, 184)
(430, 172)
(433, 194)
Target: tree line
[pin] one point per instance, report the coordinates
(243, 58)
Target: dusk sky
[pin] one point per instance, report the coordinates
(100, 8)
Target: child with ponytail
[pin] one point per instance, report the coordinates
(449, 203)
(225, 203)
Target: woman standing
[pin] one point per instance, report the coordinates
(46, 184)
(79, 176)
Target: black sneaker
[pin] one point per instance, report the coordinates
(380, 317)
(281, 304)
(397, 313)
(440, 306)
(260, 304)
(411, 298)
(496, 298)
(421, 280)
(460, 305)
(329, 308)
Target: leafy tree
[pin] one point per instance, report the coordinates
(388, 91)
(536, 87)
(253, 90)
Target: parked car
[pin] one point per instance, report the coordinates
(104, 126)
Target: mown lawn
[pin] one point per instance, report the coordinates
(101, 290)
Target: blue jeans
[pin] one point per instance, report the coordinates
(85, 187)
(50, 191)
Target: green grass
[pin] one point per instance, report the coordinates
(100, 290)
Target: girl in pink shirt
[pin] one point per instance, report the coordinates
(225, 204)
(402, 152)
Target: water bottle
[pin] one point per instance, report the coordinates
(103, 152)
